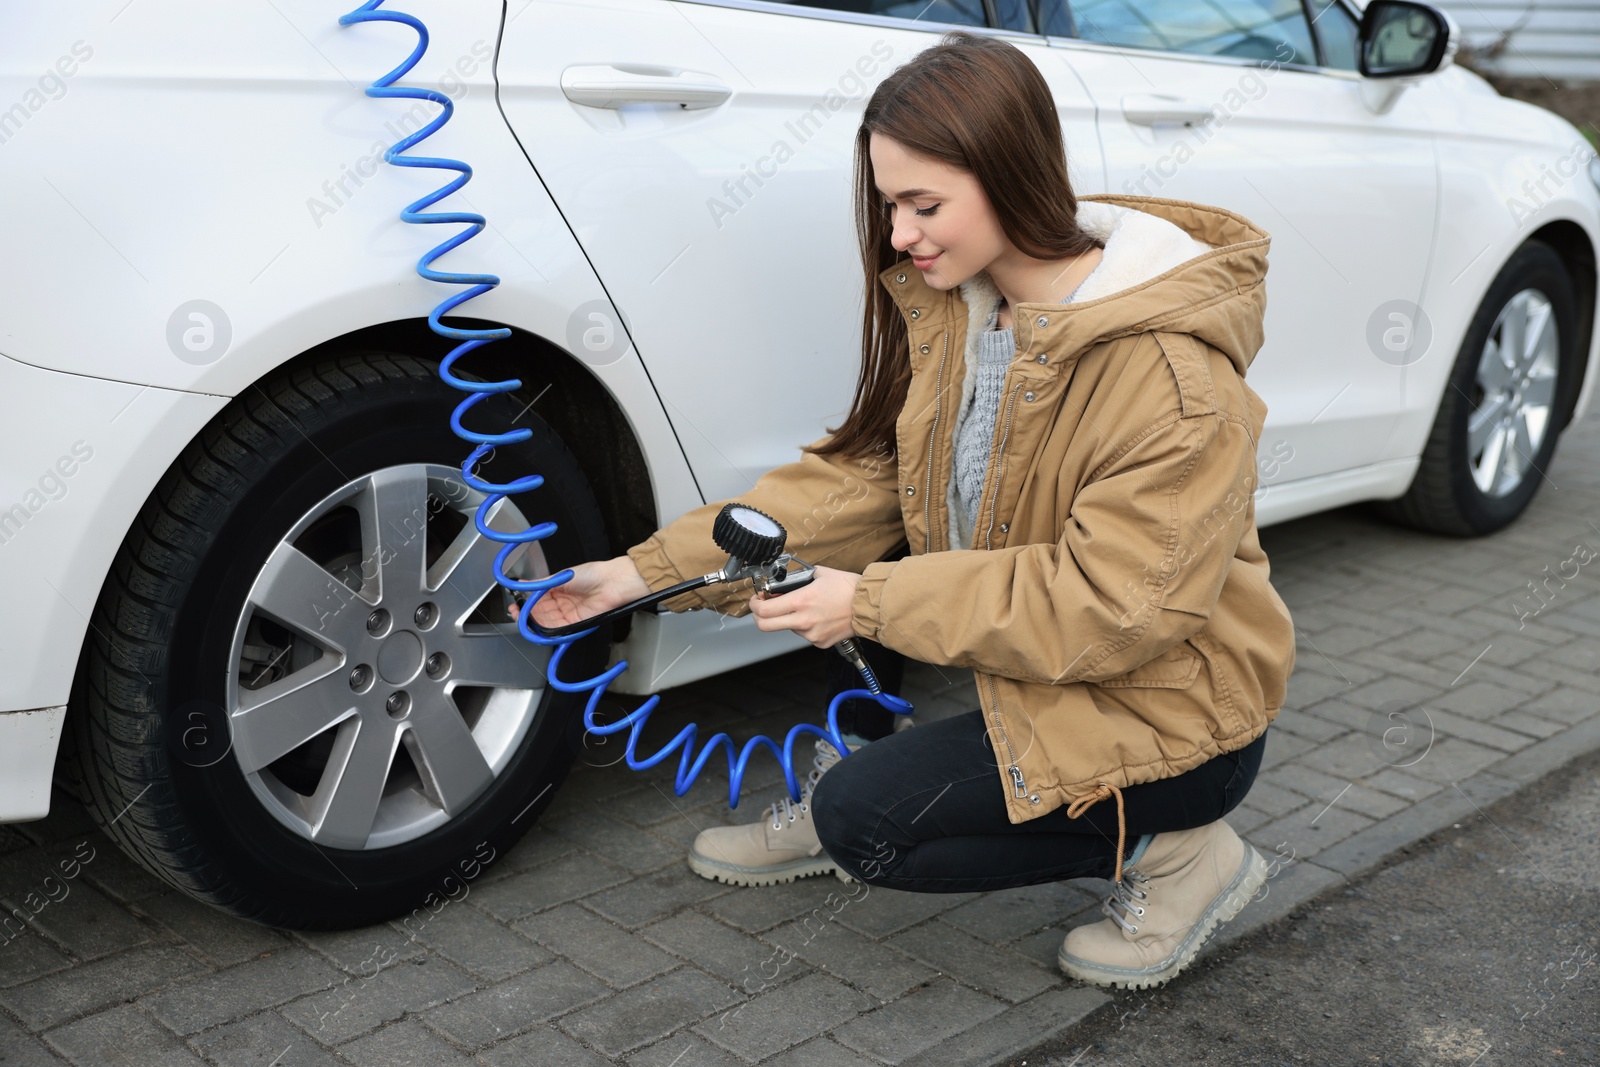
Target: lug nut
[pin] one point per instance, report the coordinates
(378, 622)
(426, 614)
(360, 678)
(398, 704)
(437, 665)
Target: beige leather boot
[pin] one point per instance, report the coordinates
(1163, 910)
(781, 847)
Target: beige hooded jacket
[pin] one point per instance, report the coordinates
(1115, 608)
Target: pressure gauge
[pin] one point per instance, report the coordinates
(749, 535)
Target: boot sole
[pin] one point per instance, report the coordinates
(1250, 876)
(733, 874)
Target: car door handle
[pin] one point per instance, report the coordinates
(614, 84)
(1148, 109)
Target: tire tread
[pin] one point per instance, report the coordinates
(122, 772)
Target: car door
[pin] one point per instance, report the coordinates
(702, 154)
(1254, 106)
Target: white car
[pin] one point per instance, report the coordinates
(244, 591)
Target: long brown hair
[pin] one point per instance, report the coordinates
(974, 102)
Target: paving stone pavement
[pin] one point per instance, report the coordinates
(1433, 676)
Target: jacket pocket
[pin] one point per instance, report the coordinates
(1176, 668)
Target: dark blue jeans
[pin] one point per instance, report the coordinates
(924, 810)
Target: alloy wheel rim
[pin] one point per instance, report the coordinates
(1513, 393)
(371, 694)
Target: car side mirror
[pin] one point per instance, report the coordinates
(1399, 38)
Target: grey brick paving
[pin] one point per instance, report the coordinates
(1244, 818)
(1524, 721)
(780, 1018)
(553, 883)
(1324, 789)
(30, 956)
(842, 952)
(655, 896)
(1566, 704)
(818, 1053)
(360, 952)
(737, 958)
(1451, 759)
(1273, 799)
(361, 1003)
(537, 848)
(784, 1016)
(234, 993)
(1001, 917)
(650, 1011)
(628, 846)
(1481, 700)
(882, 912)
(479, 944)
(262, 1039)
(1397, 782)
(546, 1047)
(220, 938)
(681, 1050)
(116, 875)
(976, 963)
(22, 1049)
(917, 1021)
(406, 1044)
(591, 943)
(508, 1008)
(92, 926)
(1312, 829)
(514, 1005)
(1000, 1038)
(47, 1001)
(121, 1036)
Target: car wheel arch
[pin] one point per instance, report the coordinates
(620, 480)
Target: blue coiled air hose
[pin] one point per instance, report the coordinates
(689, 765)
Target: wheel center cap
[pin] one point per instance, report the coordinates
(400, 657)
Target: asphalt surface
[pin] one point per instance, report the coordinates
(1479, 946)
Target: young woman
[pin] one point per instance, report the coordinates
(1052, 423)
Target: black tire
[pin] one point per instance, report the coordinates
(164, 628)
(1443, 497)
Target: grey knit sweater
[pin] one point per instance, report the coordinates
(997, 348)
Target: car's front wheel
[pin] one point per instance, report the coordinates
(302, 701)
(1502, 410)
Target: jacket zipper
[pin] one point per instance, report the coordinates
(994, 499)
(938, 409)
(1018, 786)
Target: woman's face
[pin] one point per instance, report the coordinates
(946, 224)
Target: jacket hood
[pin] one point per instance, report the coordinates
(1168, 264)
(1172, 265)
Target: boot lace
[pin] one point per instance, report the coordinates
(1122, 898)
(784, 811)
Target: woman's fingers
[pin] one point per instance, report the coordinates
(775, 613)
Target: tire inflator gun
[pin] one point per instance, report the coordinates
(753, 540)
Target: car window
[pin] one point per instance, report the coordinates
(962, 12)
(1337, 31)
(1014, 15)
(1243, 29)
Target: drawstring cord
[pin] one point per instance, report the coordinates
(1106, 789)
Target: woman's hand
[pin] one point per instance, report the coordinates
(819, 612)
(595, 588)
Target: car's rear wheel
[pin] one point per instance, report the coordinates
(301, 700)
(1509, 393)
